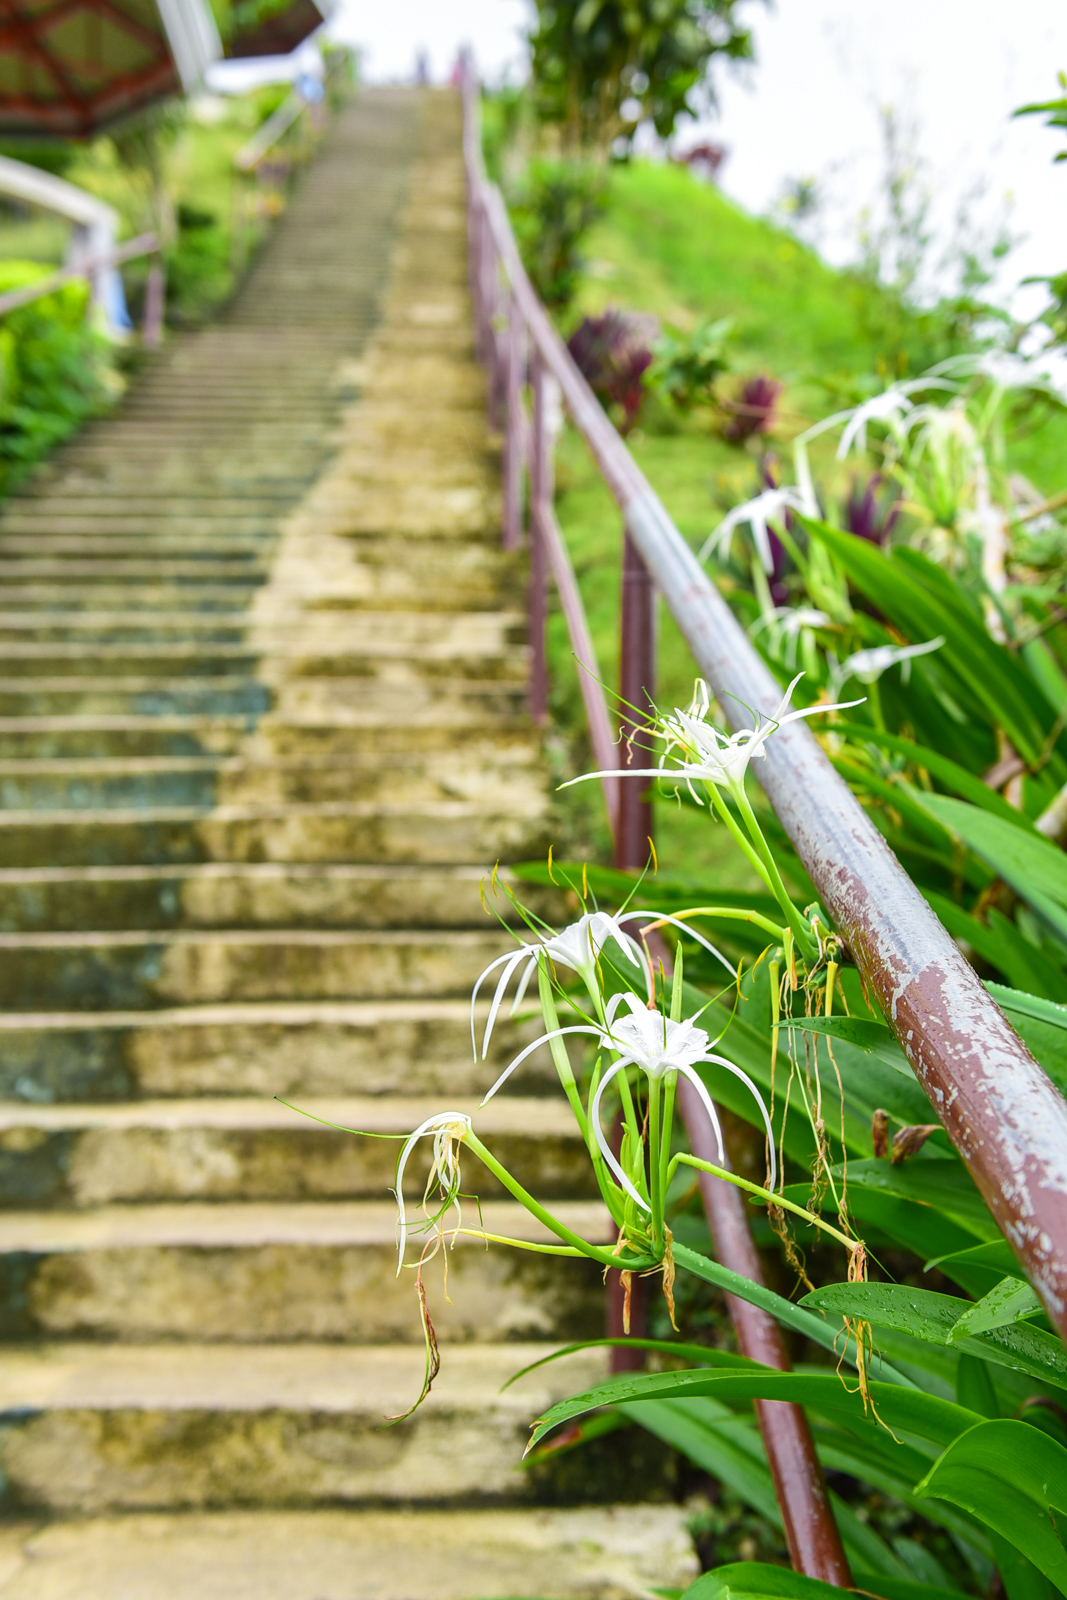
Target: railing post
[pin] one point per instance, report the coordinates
(513, 422)
(807, 1517)
(637, 677)
(154, 296)
(545, 406)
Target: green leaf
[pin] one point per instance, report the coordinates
(1009, 1475)
(759, 1579)
(730, 1449)
(1010, 1301)
(944, 1185)
(950, 773)
(918, 1228)
(875, 1038)
(1021, 1579)
(1001, 944)
(974, 1387)
(717, 1441)
(1032, 866)
(820, 1330)
(926, 1315)
(980, 1267)
(699, 1354)
(913, 593)
(909, 1410)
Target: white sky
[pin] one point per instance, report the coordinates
(809, 106)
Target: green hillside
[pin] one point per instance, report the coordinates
(674, 246)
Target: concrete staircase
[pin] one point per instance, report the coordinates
(261, 735)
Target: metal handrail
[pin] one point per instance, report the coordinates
(999, 1108)
(145, 244)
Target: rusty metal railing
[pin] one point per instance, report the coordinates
(1000, 1110)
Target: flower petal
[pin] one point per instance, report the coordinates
(556, 1033)
(598, 1132)
(515, 959)
(693, 1077)
(509, 955)
(721, 1061)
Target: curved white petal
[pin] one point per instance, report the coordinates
(431, 1125)
(598, 1132)
(556, 1033)
(524, 983)
(692, 1076)
(515, 959)
(721, 1061)
(659, 916)
(509, 955)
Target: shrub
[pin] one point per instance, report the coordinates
(687, 364)
(753, 412)
(612, 352)
(55, 370)
(552, 210)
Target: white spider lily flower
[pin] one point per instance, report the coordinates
(711, 756)
(659, 1046)
(578, 948)
(868, 665)
(889, 407)
(1005, 369)
(791, 620)
(757, 513)
(787, 623)
(449, 1129)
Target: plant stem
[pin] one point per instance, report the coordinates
(560, 1057)
(595, 1252)
(728, 913)
(655, 1166)
(763, 1194)
(800, 928)
(727, 816)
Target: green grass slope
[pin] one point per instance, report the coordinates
(674, 246)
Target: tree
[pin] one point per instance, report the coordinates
(602, 66)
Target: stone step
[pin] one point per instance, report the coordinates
(586, 1553)
(92, 500)
(92, 1428)
(53, 660)
(482, 741)
(87, 628)
(495, 777)
(442, 832)
(135, 968)
(38, 738)
(205, 571)
(241, 894)
(134, 696)
(324, 1047)
(444, 644)
(74, 1157)
(136, 595)
(262, 1272)
(250, 550)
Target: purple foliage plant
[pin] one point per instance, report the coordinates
(870, 514)
(753, 412)
(613, 352)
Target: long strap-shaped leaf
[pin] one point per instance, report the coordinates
(907, 1410)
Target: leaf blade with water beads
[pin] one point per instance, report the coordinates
(1010, 1476)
